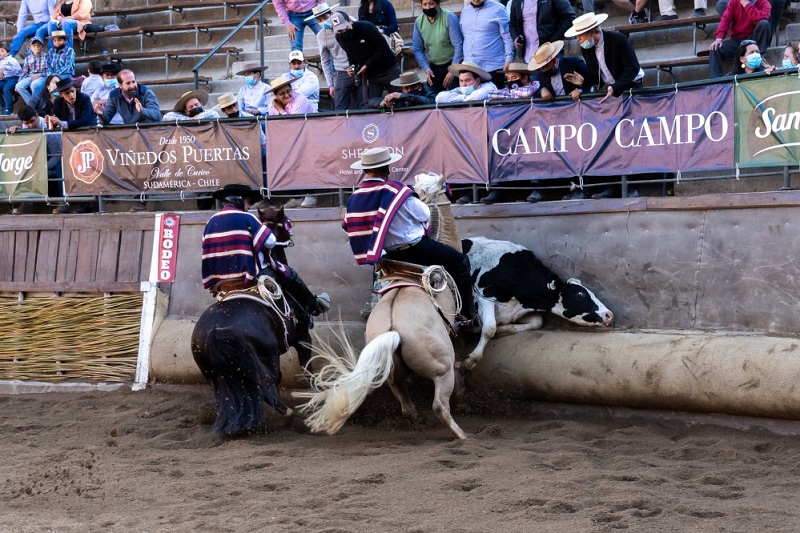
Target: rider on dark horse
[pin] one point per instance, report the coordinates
(387, 216)
(236, 250)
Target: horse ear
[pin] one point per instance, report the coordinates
(442, 180)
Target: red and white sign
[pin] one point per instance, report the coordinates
(168, 247)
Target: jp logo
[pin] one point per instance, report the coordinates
(370, 133)
(86, 161)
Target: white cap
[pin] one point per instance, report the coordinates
(296, 54)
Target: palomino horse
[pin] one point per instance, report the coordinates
(237, 343)
(408, 331)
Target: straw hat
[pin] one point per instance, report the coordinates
(59, 33)
(409, 77)
(200, 94)
(469, 67)
(280, 81)
(545, 54)
(320, 9)
(376, 158)
(520, 68)
(236, 189)
(248, 66)
(584, 23)
(226, 100)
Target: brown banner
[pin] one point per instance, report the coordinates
(166, 158)
(318, 152)
(23, 164)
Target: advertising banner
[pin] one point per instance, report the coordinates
(168, 158)
(168, 231)
(23, 164)
(768, 122)
(318, 152)
(684, 130)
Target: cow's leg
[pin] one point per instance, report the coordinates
(443, 388)
(486, 309)
(526, 323)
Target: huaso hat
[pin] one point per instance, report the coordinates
(469, 67)
(375, 158)
(521, 68)
(279, 82)
(409, 77)
(226, 100)
(66, 83)
(320, 9)
(545, 54)
(248, 66)
(584, 23)
(200, 94)
(59, 33)
(236, 189)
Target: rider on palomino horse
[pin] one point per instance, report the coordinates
(387, 216)
(236, 250)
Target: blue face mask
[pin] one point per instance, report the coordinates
(787, 63)
(753, 60)
(250, 80)
(327, 25)
(297, 72)
(112, 83)
(466, 91)
(587, 45)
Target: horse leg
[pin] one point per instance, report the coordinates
(486, 311)
(443, 388)
(398, 384)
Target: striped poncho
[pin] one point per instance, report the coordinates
(370, 211)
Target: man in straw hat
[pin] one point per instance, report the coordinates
(295, 16)
(334, 61)
(387, 216)
(190, 107)
(229, 106)
(252, 95)
(414, 91)
(518, 84)
(306, 82)
(474, 84)
(437, 43)
(487, 40)
(549, 70)
(609, 56)
(286, 101)
(236, 247)
(533, 23)
(61, 57)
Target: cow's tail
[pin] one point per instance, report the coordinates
(344, 381)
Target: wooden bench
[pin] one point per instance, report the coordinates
(177, 55)
(666, 65)
(204, 80)
(175, 7)
(8, 20)
(700, 23)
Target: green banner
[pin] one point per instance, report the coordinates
(768, 122)
(23, 165)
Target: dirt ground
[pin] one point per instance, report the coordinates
(147, 461)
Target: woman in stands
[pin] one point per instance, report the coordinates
(381, 13)
(791, 55)
(71, 16)
(42, 101)
(750, 59)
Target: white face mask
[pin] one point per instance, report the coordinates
(468, 90)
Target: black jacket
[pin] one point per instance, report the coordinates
(553, 18)
(365, 45)
(84, 114)
(620, 59)
(421, 96)
(565, 65)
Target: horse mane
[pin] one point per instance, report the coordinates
(432, 189)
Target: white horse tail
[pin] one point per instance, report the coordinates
(344, 382)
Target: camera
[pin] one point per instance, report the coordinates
(357, 77)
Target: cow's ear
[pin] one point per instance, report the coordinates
(552, 285)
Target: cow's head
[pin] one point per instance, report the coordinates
(579, 305)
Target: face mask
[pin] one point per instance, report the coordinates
(511, 85)
(466, 91)
(250, 80)
(327, 25)
(112, 83)
(195, 111)
(753, 60)
(235, 114)
(297, 72)
(430, 12)
(787, 63)
(346, 35)
(587, 45)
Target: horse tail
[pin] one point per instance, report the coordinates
(240, 380)
(344, 382)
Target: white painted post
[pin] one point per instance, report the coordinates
(150, 290)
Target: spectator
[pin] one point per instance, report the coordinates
(40, 10)
(414, 91)
(60, 58)
(518, 84)
(31, 121)
(286, 101)
(611, 61)
(487, 41)
(742, 19)
(94, 80)
(381, 13)
(549, 70)
(791, 56)
(637, 8)
(777, 7)
(190, 107)
(69, 16)
(307, 82)
(229, 106)
(42, 100)
(474, 84)
(34, 68)
(109, 73)
(334, 61)
(535, 22)
(71, 109)
(667, 9)
(370, 55)
(135, 103)
(437, 43)
(750, 59)
(253, 94)
(296, 15)
(9, 76)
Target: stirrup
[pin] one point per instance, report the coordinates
(323, 303)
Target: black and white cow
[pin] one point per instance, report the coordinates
(513, 287)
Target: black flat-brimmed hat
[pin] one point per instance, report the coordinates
(66, 83)
(237, 189)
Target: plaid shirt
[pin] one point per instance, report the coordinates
(34, 64)
(526, 91)
(61, 62)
